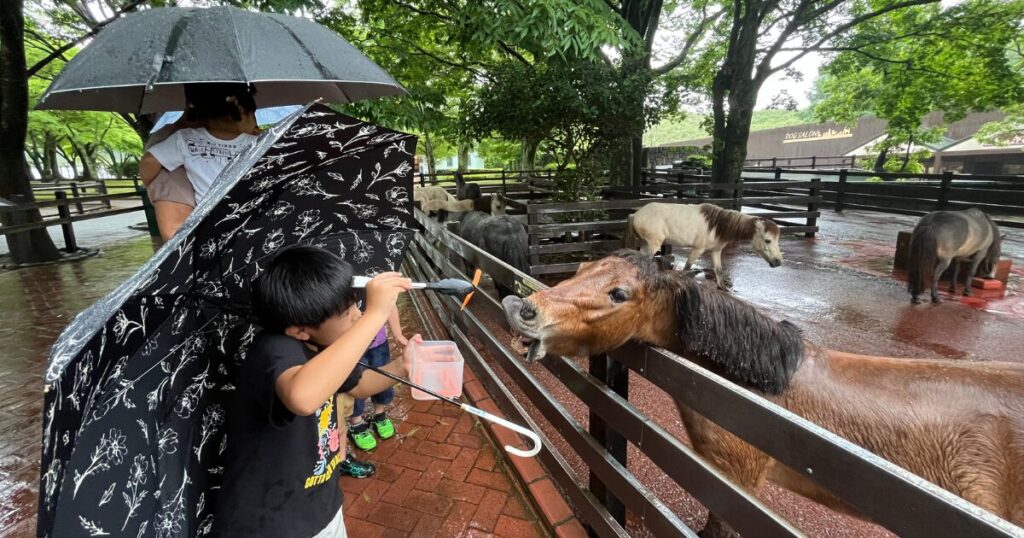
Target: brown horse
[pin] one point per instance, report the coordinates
(959, 425)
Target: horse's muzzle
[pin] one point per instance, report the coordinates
(774, 263)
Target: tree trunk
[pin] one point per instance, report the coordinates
(736, 85)
(36, 245)
(464, 147)
(428, 152)
(528, 154)
(883, 155)
(142, 124)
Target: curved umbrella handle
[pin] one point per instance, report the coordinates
(514, 427)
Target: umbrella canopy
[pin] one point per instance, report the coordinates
(264, 116)
(138, 64)
(136, 388)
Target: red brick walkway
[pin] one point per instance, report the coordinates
(440, 476)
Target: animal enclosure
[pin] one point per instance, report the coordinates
(894, 498)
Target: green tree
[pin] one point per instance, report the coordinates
(908, 63)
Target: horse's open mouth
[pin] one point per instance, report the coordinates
(529, 335)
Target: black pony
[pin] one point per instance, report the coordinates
(499, 235)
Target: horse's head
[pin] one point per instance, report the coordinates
(766, 241)
(606, 304)
(498, 205)
(626, 296)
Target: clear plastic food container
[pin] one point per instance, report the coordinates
(437, 365)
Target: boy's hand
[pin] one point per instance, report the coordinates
(407, 353)
(402, 340)
(382, 292)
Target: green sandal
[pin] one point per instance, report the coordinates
(355, 468)
(381, 423)
(362, 437)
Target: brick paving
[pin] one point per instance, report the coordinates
(440, 476)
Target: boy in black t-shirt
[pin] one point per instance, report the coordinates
(283, 440)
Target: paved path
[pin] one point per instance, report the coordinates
(440, 476)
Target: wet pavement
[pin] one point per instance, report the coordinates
(840, 289)
(424, 473)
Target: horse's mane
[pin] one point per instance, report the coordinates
(730, 225)
(747, 344)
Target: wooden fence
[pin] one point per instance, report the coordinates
(17, 212)
(833, 162)
(564, 234)
(883, 492)
(1001, 197)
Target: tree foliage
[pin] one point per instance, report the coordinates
(908, 63)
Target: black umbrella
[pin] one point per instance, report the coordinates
(136, 386)
(139, 63)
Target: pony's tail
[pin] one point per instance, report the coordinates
(630, 239)
(922, 260)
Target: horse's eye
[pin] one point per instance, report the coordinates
(768, 241)
(618, 295)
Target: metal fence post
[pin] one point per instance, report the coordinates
(67, 228)
(616, 377)
(814, 162)
(147, 208)
(840, 189)
(812, 206)
(947, 179)
(504, 186)
(75, 194)
(775, 162)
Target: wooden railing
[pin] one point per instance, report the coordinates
(1001, 197)
(17, 214)
(881, 491)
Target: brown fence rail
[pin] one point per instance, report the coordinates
(889, 495)
(831, 162)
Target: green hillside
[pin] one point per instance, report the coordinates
(689, 126)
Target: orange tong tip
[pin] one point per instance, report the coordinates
(476, 282)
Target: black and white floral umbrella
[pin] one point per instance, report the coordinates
(133, 430)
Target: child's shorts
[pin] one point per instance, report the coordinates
(172, 186)
(334, 529)
(376, 357)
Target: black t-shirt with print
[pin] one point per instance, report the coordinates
(278, 479)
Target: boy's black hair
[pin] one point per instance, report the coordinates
(212, 100)
(302, 286)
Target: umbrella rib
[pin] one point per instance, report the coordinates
(238, 50)
(316, 62)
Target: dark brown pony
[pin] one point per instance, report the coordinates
(957, 424)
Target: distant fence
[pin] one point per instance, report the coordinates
(1001, 197)
(881, 491)
(563, 234)
(85, 207)
(834, 162)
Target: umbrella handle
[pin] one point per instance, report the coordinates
(514, 427)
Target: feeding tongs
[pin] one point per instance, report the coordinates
(455, 287)
(475, 411)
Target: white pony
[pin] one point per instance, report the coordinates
(703, 227)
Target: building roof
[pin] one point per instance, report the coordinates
(832, 139)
